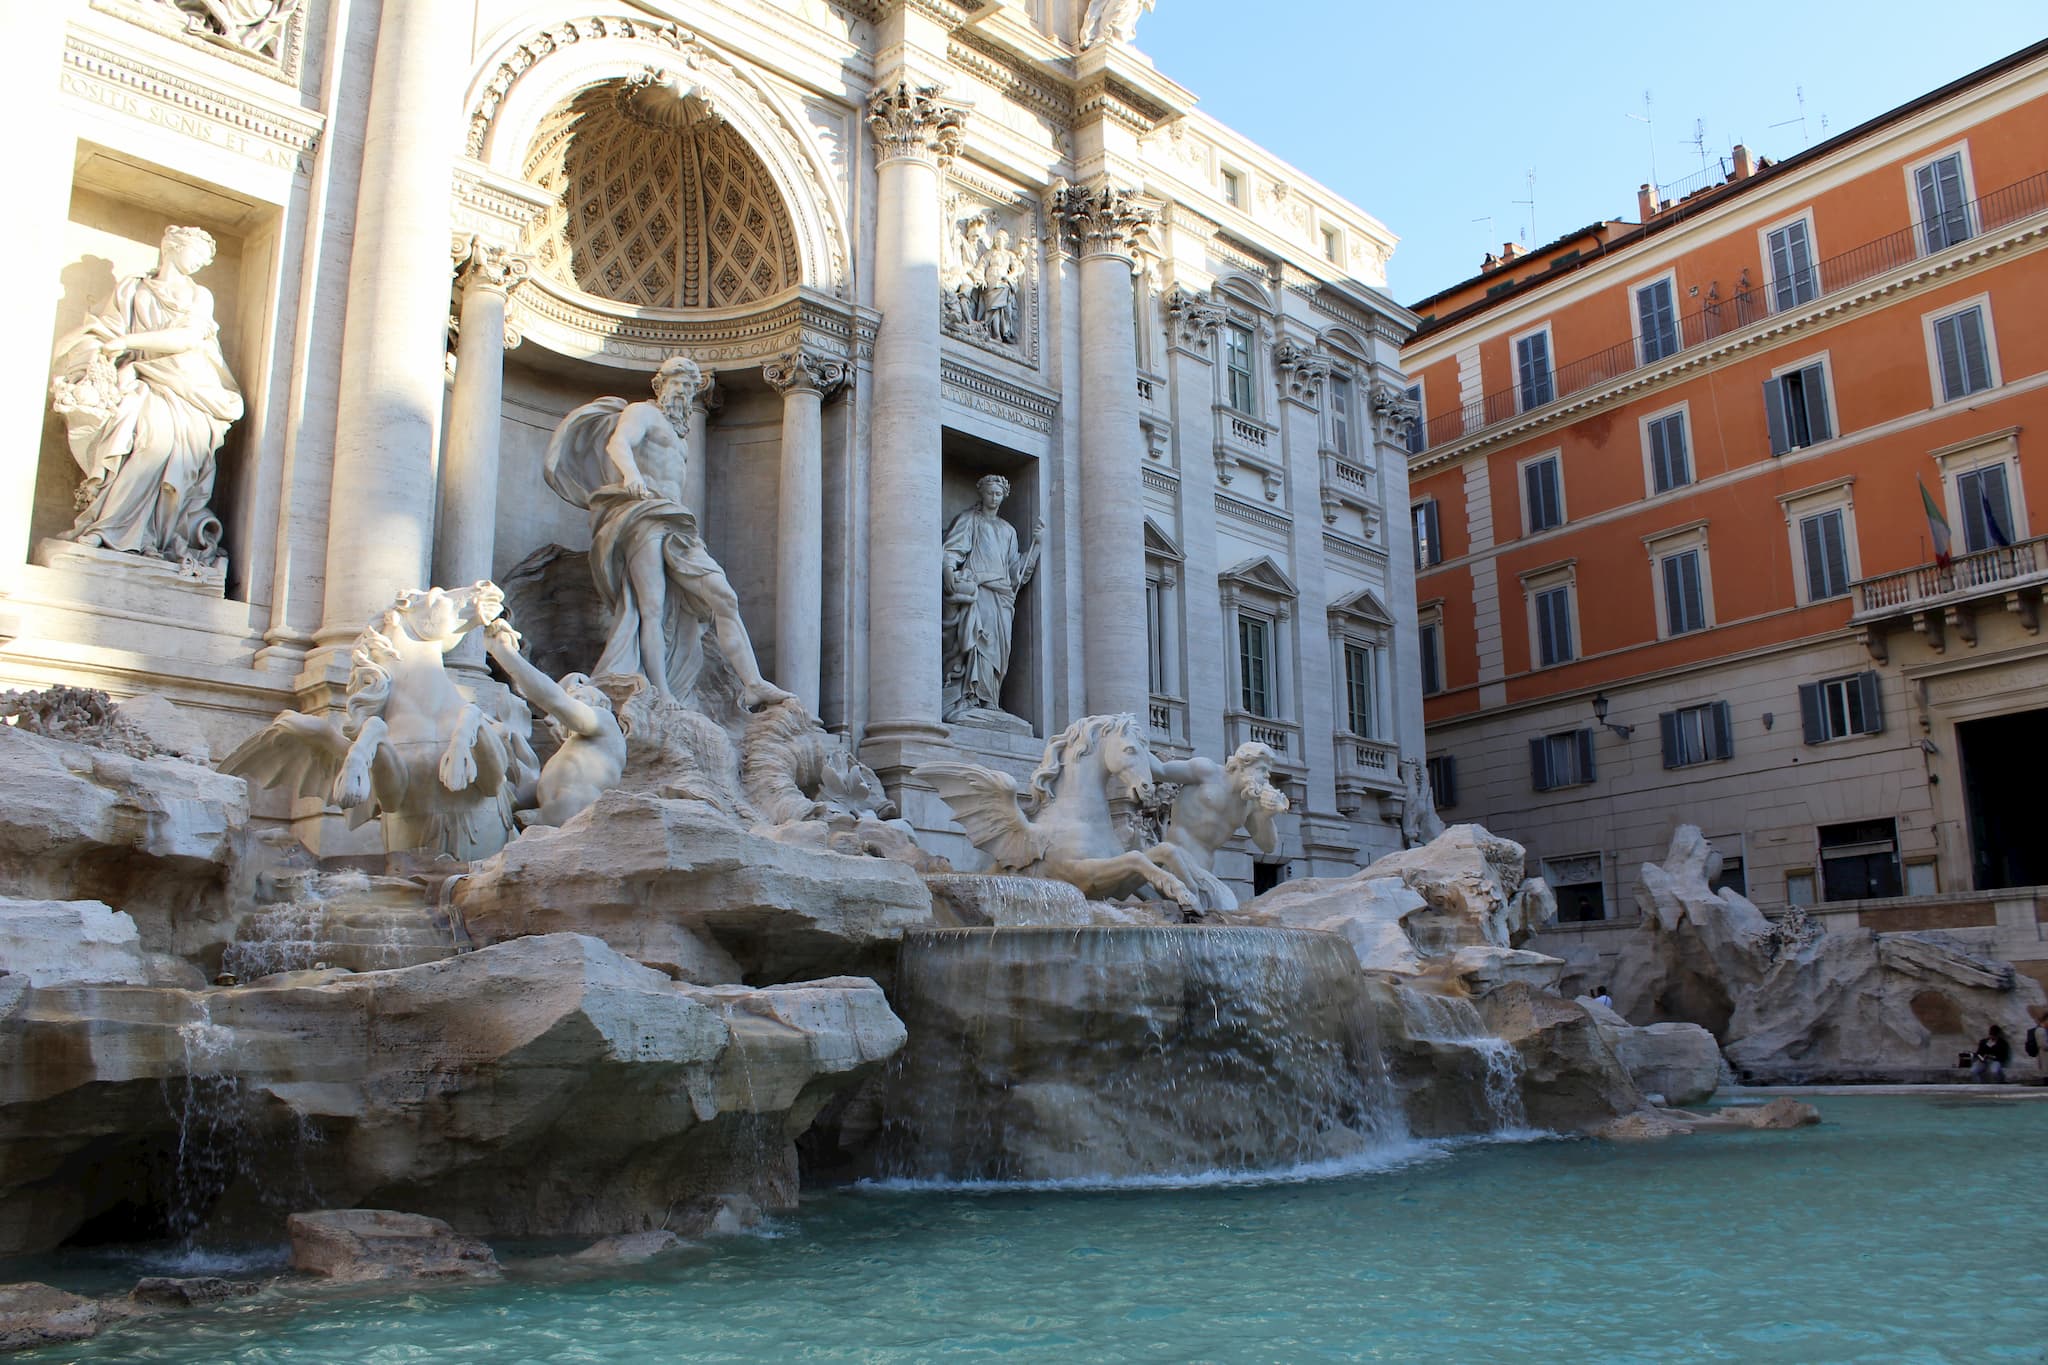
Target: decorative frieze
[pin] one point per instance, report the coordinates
(993, 397)
(114, 79)
(912, 121)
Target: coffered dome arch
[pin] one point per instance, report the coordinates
(519, 94)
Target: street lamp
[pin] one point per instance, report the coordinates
(1600, 714)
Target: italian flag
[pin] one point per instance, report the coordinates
(1937, 525)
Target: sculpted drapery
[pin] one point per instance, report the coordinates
(147, 399)
(984, 573)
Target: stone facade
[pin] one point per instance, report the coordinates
(911, 244)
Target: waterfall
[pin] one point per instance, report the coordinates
(1447, 1021)
(1105, 1053)
(209, 1111)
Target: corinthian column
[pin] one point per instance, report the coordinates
(1104, 222)
(912, 129)
(804, 380)
(381, 517)
(465, 544)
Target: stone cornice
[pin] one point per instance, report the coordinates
(1009, 77)
(641, 338)
(994, 397)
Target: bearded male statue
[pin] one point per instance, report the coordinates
(1215, 801)
(624, 463)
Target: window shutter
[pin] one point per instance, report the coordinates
(1976, 361)
(1783, 286)
(1660, 457)
(1873, 702)
(1810, 713)
(1585, 755)
(1837, 540)
(1774, 413)
(1930, 205)
(1447, 793)
(1815, 390)
(1810, 541)
(1539, 765)
(1948, 346)
(1667, 726)
(1724, 730)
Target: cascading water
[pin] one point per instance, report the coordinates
(208, 1103)
(1446, 1021)
(1108, 1053)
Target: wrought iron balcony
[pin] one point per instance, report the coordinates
(1999, 209)
(1934, 599)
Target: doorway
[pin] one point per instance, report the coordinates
(2001, 784)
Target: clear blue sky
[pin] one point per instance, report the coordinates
(1432, 115)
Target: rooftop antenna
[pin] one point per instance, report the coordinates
(1530, 240)
(1488, 220)
(1650, 126)
(1698, 142)
(1799, 97)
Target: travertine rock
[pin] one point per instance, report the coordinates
(1485, 968)
(546, 1086)
(168, 1291)
(337, 918)
(1790, 1003)
(970, 900)
(156, 838)
(353, 1245)
(678, 884)
(51, 942)
(1571, 1075)
(628, 1248)
(1680, 1062)
(33, 1314)
(1369, 911)
(164, 727)
(1471, 879)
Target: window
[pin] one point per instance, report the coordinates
(1697, 734)
(1532, 365)
(1255, 665)
(1362, 690)
(1155, 637)
(1921, 879)
(1986, 505)
(1554, 626)
(1340, 414)
(1580, 888)
(1859, 861)
(1429, 546)
(1825, 546)
(1266, 876)
(1944, 204)
(1564, 759)
(1670, 461)
(1418, 429)
(1429, 639)
(1443, 780)
(1237, 368)
(1733, 876)
(1233, 189)
(1685, 599)
(1333, 245)
(1799, 887)
(1961, 352)
(1835, 708)
(1796, 407)
(1542, 494)
(1793, 280)
(1657, 320)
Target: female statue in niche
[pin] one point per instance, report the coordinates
(984, 573)
(147, 399)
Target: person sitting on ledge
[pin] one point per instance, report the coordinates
(1993, 1054)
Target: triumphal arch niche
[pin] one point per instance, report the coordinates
(664, 201)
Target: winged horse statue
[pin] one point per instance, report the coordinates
(441, 772)
(1062, 827)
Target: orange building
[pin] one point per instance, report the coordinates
(1673, 559)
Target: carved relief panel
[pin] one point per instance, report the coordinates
(989, 266)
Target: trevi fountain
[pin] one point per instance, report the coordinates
(625, 914)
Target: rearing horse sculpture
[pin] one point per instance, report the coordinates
(1062, 828)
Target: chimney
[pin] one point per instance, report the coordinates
(1646, 204)
(1510, 251)
(1744, 168)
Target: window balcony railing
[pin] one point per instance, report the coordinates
(1364, 765)
(1283, 737)
(1169, 719)
(1993, 211)
(1996, 571)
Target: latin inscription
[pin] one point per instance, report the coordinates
(183, 122)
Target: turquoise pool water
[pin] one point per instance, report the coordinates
(1902, 1229)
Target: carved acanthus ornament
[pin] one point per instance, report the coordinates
(480, 265)
(909, 121)
(1194, 319)
(1104, 220)
(806, 370)
(1392, 413)
(1305, 369)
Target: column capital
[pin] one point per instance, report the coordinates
(807, 370)
(480, 265)
(1306, 369)
(1392, 411)
(1103, 219)
(1194, 319)
(911, 122)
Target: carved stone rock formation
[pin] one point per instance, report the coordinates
(57, 942)
(547, 1086)
(354, 1245)
(1473, 881)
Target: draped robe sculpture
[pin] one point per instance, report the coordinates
(984, 573)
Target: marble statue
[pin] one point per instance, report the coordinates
(623, 462)
(1419, 821)
(440, 771)
(590, 757)
(1063, 828)
(1214, 802)
(995, 297)
(984, 572)
(256, 26)
(147, 399)
(979, 275)
(1112, 21)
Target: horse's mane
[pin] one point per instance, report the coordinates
(1076, 741)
